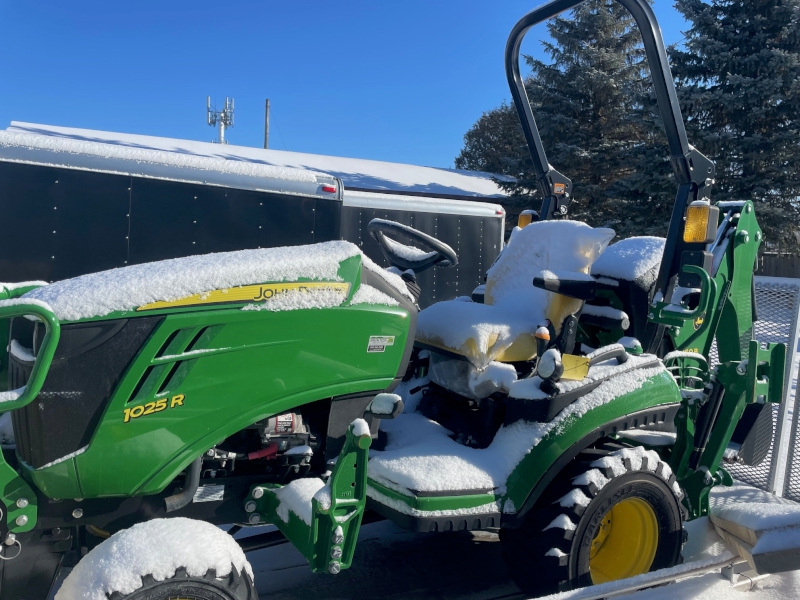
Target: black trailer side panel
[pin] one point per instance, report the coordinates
(172, 219)
(475, 239)
(59, 223)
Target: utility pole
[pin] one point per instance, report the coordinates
(266, 125)
(223, 118)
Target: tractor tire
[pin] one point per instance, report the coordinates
(613, 513)
(163, 559)
(234, 586)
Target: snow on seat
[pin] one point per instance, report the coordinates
(421, 457)
(502, 329)
(631, 259)
(127, 288)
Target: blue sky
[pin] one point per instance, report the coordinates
(396, 81)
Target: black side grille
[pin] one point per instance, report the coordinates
(18, 375)
(90, 361)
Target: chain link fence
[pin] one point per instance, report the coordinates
(778, 301)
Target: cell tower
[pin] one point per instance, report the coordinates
(223, 118)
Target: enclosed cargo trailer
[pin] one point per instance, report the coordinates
(79, 201)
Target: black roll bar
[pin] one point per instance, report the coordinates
(693, 171)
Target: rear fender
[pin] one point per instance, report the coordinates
(652, 406)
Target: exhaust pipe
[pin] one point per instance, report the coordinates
(182, 498)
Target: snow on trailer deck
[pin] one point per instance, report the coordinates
(396, 564)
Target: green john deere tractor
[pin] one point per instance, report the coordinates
(571, 402)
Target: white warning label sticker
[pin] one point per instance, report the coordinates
(209, 493)
(378, 343)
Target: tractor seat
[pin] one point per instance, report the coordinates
(502, 328)
(632, 264)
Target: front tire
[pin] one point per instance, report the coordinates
(613, 513)
(163, 559)
(235, 586)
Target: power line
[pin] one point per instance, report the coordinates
(278, 127)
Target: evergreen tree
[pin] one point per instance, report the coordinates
(739, 81)
(589, 103)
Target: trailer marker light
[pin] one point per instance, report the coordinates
(329, 188)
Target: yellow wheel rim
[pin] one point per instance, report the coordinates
(626, 543)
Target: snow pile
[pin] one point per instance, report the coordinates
(466, 379)
(158, 548)
(567, 248)
(323, 496)
(411, 392)
(127, 288)
(494, 378)
(573, 498)
(383, 404)
(58, 461)
(301, 299)
(20, 352)
(27, 300)
(160, 157)
(548, 362)
(355, 173)
(21, 284)
(421, 456)
(6, 430)
(640, 459)
(366, 294)
(360, 427)
(410, 253)
(304, 450)
(549, 275)
(393, 279)
(12, 395)
(402, 507)
(775, 526)
(758, 515)
(503, 327)
(296, 497)
(480, 332)
(561, 522)
(609, 312)
(650, 438)
(631, 259)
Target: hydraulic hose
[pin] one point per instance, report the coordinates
(182, 498)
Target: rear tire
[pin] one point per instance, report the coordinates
(613, 513)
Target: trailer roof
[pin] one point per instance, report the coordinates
(356, 174)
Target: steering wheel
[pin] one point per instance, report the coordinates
(405, 257)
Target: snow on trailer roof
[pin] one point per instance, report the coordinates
(356, 174)
(75, 152)
(381, 201)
